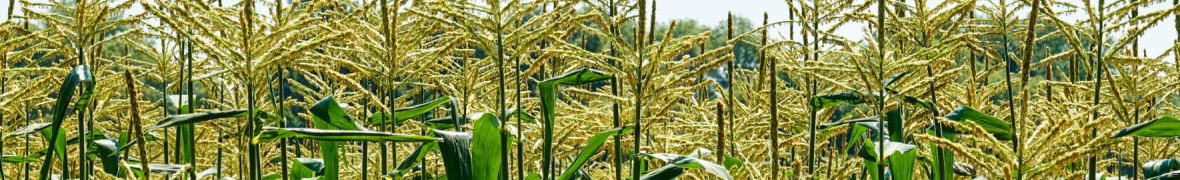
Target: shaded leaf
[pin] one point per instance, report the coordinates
(1160, 166)
(456, 153)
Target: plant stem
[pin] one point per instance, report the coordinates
(772, 76)
(881, 160)
(1099, 67)
(639, 45)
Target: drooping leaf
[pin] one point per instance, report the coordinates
(35, 127)
(1166, 176)
(592, 146)
(80, 75)
(518, 113)
(444, 122)
(456, 153)
(548, 93)
(207, 172)
(485, 145)
(692, 163)
(108, 152)
(306, 168)
(833, 100)
(166, 169)
(998, 128)
(667, 172)
(418, 154)
(407, 113)
(891, 149)
(1166, 126)
(328, 115)
(272, 133)
(1160, 166)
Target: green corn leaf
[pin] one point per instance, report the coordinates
(58, 144)
(164, 169)
(272, 133)
(998, 128)
(108, 153)
(19, 159)
(456, 153)
(35, 127)
(591, 148)
(870, 150)
(901, 165)
(945, 165)
(306, 168)
(327, 115)
(1166, 176)
(524, 116)
(418, 154)
(893, 79)
(194, 118)
(667, 172)
(1158, 167)
(833, 100)
(407, 113)
(689, 162)
(444, 123)
(548, 93)
(80, 75)
(485, 146)
(1166, 126)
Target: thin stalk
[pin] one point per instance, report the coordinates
(1099, 67)
(614, 84)
(639, 45)
(133, 100)
(1008, 83)
(880, 101)
(773, 102)
(500, 92)
(1029, 43)
(720, 131)
(282, 108)
(252, 125)
(721, 135)
(814, 88)
(1135, 91)
(616, 121)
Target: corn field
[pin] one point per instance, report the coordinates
(586, 89)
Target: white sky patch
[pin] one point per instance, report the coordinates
(1155, 40)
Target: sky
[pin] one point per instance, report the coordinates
(1155, 40)
(712, 12)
